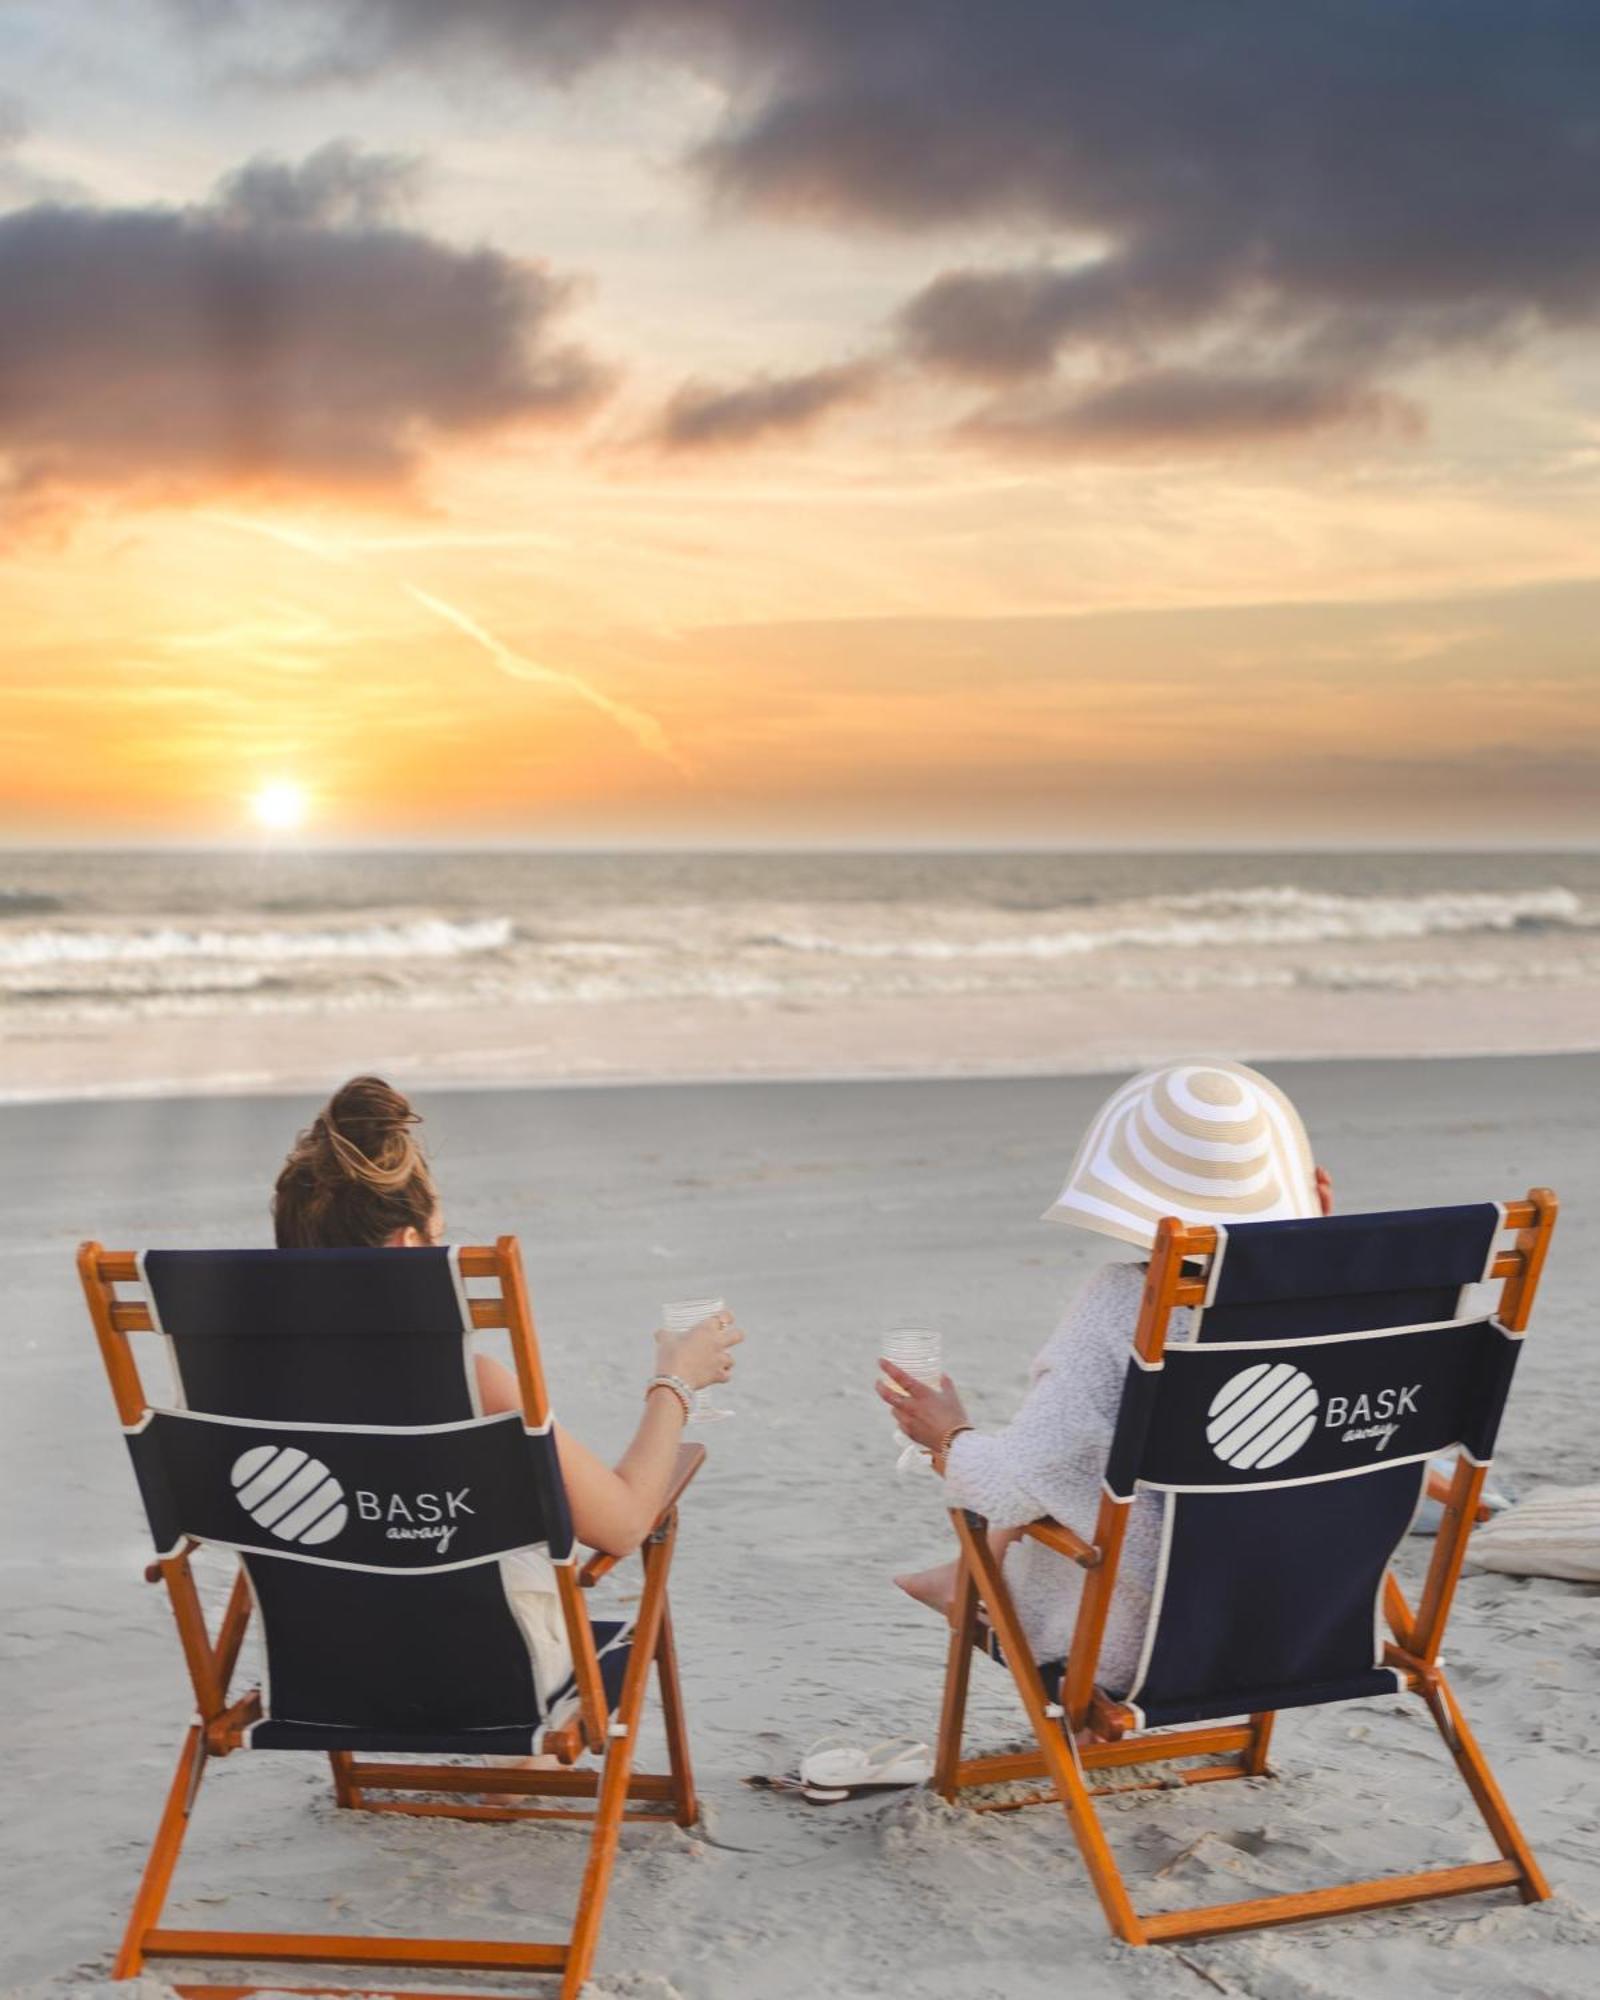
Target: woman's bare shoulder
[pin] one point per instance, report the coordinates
(497, 1386)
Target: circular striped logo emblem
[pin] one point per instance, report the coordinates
(1261, 1416)
(289, 1493)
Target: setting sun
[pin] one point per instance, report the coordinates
(279, 807)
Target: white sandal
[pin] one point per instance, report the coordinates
(839, 1769)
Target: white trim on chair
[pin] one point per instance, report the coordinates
(282, 1554)
(1379, 1622)
(468, 1330)
(1311, 1478)
(1147, 1640)
(1494, 1244)
(1333, 1339)
(346, 1430)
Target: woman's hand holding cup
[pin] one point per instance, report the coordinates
(703, 1356)
(927, 1414)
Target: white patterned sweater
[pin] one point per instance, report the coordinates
(1051, 1459)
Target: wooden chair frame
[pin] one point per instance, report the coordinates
(453, 1790)
(1084, 1733)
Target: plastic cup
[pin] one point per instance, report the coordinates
(919, 1350)
(682, 1316)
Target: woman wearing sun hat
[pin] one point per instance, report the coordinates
(1210, 1142)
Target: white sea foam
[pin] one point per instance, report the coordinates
(1236, 917)
(420, 937)
(505, 938)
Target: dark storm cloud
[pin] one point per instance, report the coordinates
(288, 331)
(704, 416)
(1363, 185)
(1178, 409)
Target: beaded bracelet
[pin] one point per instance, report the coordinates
(679, 1388)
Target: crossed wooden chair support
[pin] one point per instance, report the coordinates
(602, 1799)
(1083, 1735)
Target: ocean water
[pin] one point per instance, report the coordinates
(88, 938)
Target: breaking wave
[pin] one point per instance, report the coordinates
(1224, 917)
(418, 938)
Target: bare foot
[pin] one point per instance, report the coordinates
(935, 1588)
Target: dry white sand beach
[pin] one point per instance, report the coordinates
(824, 1213)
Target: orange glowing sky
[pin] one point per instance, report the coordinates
(436, 432)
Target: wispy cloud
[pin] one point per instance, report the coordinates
(348, 546)
(284, 636)
(645, 730)
(707, 416)
(289, 538)
(1188, 409)
(643, 727)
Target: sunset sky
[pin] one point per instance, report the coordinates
(742, 420)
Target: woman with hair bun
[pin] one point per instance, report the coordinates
(358, 1179)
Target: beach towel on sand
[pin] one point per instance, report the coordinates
(1554, 1533)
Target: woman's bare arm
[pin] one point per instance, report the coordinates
(614, 1508)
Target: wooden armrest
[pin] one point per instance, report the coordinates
(1110, 1720)
(1439, 1489)
(1065, 1543)
(689, 1461)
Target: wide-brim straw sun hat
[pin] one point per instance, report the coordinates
(1210, 1142)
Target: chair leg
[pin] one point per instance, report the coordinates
(1050, 1728)
(957, 1676)
(1480, 1781)
(677, 1727)
(618, 1766)
(1516, 1870)
(342, 1764)
(164, 1851)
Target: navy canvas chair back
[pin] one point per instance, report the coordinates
(327, 1427)
(1291, 1438)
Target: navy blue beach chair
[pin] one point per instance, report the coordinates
(1332, 1359)
(325, 1425)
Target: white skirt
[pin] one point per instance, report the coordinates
(531, 1590)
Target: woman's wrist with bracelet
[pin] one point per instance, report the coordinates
(942, 1450)
(678, 1387)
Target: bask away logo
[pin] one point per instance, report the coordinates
(297, 1499)
(1264, 1414)
(289, 1493)
(425, 1517)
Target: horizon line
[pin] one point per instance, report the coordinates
(292, 849)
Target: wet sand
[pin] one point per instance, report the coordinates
(911, 1034)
